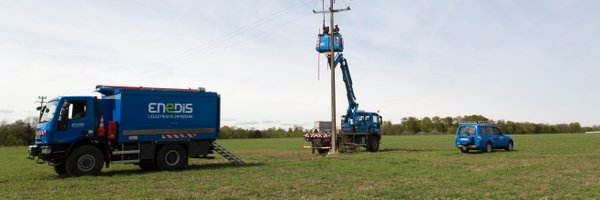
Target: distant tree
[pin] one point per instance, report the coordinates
(226, 132)
(449, 125)
(386, 128)
(438, 125)
(410, 125)
(563, 128)
(527, 128)
(17, 133)
(426, 125)
(575, 127)
(474, 118)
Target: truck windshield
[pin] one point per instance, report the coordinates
(469, 130)
(48, 111)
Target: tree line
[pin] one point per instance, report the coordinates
(228, 132)
(21, 132)
(448, 125)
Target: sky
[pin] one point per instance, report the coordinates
(534, 60)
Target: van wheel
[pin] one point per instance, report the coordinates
(510, 146)
(488, 147)
(84, 161)
(60, 169)
(171, 157)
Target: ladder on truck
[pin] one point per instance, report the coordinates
(232, 158)
(126, 155)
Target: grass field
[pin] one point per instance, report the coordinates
(413, 167)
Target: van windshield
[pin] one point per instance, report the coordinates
(469, 130)
(48, 111)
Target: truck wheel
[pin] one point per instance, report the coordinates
(323, 151)
(171, 157)
(510, 146)
(60, 169)
(85, 160)
(488, 147)
(373, 145)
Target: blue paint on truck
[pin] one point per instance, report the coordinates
(156, 128)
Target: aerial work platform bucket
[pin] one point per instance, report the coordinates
(323, 43)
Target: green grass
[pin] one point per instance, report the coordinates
(408, 167)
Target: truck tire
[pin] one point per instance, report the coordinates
(60, 169)
(84, 161)
(171, 157)
(373, 143)
(323, 151)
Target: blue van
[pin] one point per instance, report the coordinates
(481, 136)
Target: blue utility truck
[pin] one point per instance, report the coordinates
(155, 128)
(359, 128)
(481, 136)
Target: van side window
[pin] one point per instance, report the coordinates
(496, 130)
(483, 130)
(489, 130)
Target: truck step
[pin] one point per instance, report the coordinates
(229, 156)
(124, 161)
(126, 152)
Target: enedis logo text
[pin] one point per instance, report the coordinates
(170, 108)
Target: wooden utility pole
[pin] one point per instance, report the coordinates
(41, 108)
(331, 57)
(41, 100)
(331, 63)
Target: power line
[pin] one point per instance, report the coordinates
(225, 47)
(209, 45)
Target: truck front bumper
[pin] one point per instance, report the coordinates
(38, 151)
(33, 151)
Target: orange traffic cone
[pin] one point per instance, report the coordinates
(101, 130)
